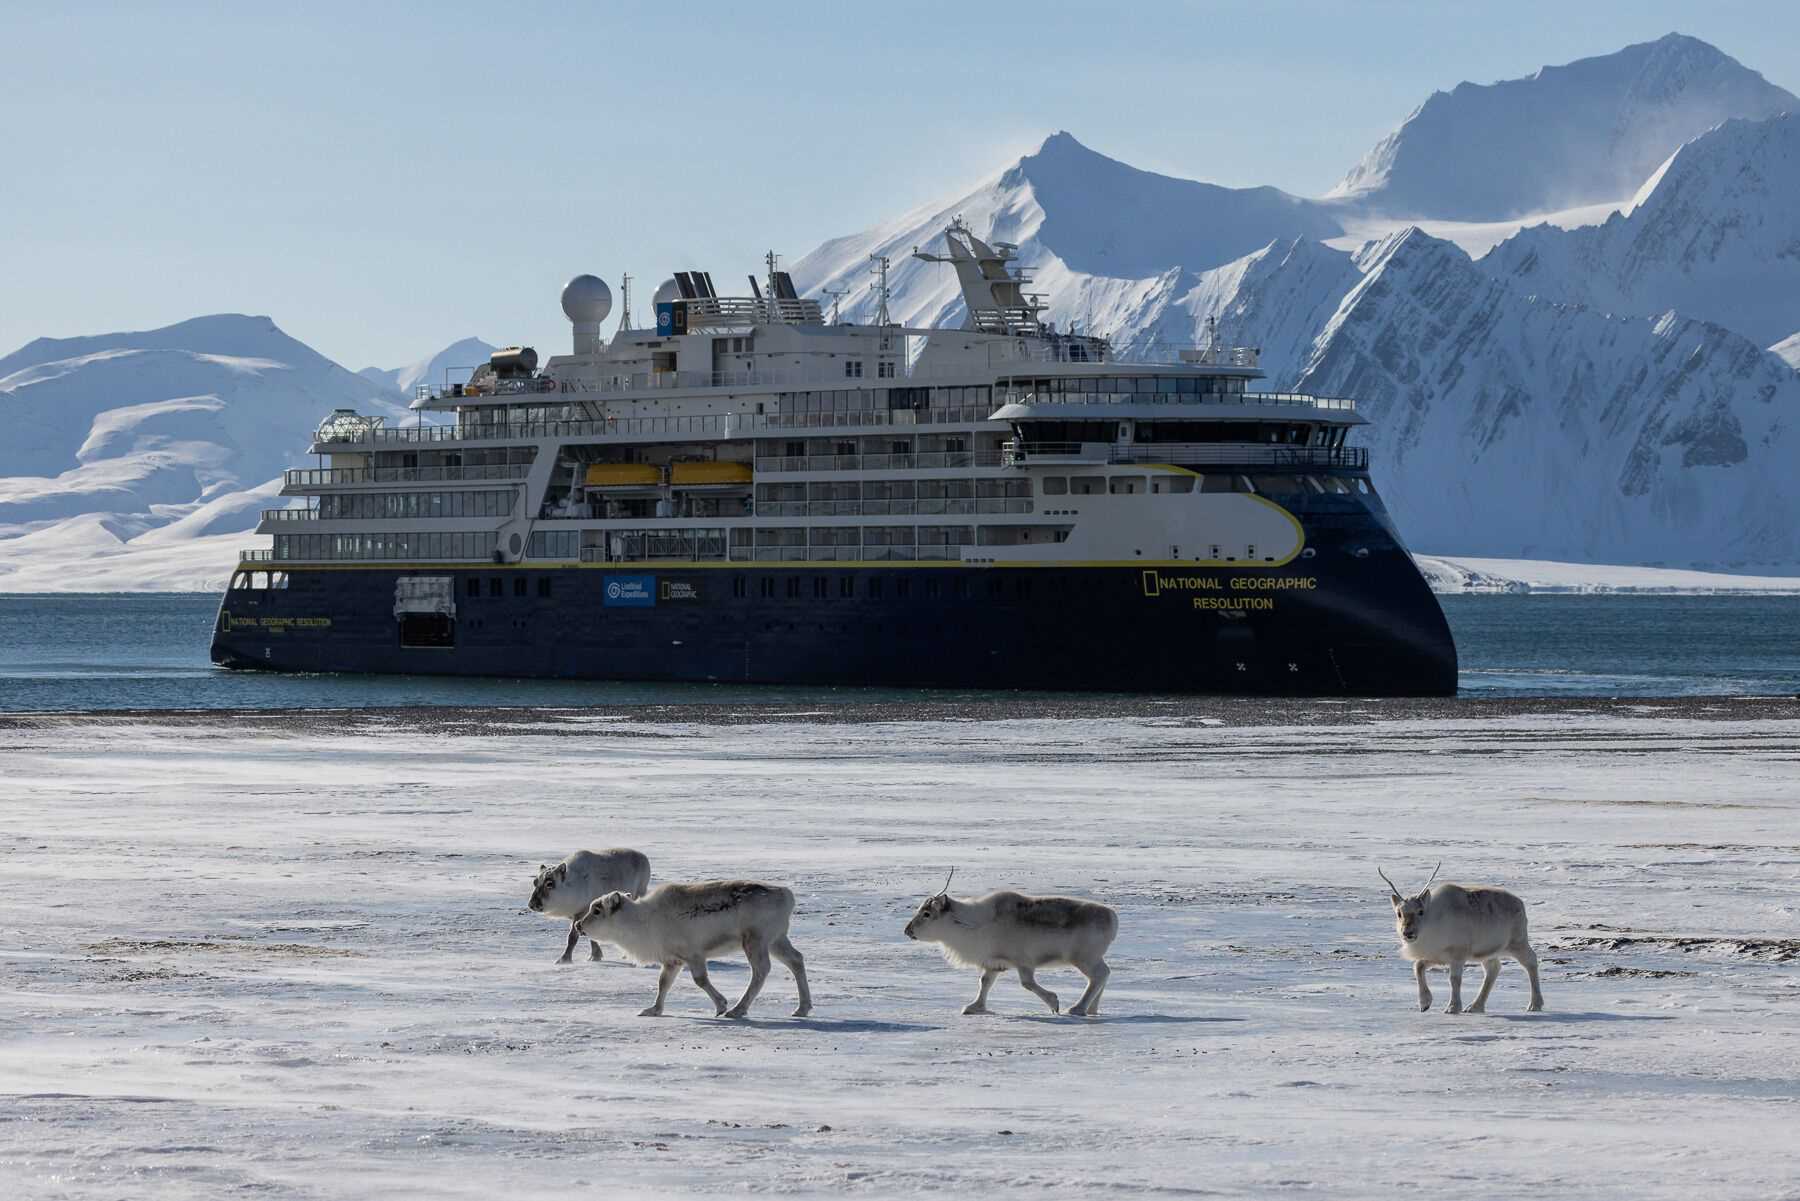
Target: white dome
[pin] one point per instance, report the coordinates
(668, 292)
(586, 300)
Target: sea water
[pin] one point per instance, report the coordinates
(149, 651)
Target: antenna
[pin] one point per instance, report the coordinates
(836, 295)
(624, 303)
(769, 260)
(878, 264)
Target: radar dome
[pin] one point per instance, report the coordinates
(586, 300)
(667, 292)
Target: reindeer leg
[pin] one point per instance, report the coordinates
(1096, 974)
(697, 969)
(1456, 971)
(1028, 978)
(1526, 956)
(1419, 967)
(795, 962)
(594, 955)
(1490, 972)
(568, 955)
(665, 978)
(979, 1004)
(757, 952)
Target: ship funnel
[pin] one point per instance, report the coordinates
(586, 300)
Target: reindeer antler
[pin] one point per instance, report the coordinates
(944, 891)
(1390, 883)
(1434, 872)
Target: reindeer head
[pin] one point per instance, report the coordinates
(932, 910)
(600, 913)
(545, 883)
(1409, 912)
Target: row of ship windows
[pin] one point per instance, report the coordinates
(362, 506)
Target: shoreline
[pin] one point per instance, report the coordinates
(1227, 711)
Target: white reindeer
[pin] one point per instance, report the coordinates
(1450, 925)
(1010, 930)
(572, 886)
(680, 925)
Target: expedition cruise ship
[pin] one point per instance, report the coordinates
(750, 492)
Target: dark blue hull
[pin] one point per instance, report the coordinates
(1350, 626)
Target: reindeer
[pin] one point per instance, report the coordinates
(679, 925)
(1450, 925)
(571, 887)
(1010, 930)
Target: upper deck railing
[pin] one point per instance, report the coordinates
(318, 477)
(717, 425)
(1220, 454)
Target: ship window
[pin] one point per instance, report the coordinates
(474, 585)
(853, 368)
(1250, 551)
(885, 369)
(738, 586)
(874, 586)
(1126, 485)
(519, 586)
(1086, 485)
(496, 586)
(1278, 485)
(793, 586)
(1055, 485)
(544, 585)
(765, 587)
(819, 586)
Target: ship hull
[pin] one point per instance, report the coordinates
(1353, 626)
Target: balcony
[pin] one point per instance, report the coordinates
(343, 477)
(944, 459)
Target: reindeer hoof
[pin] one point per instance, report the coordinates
(803, 1011)
(1477, 1007)
(1078, 1012)
(1536, 1006)
(973, 1008)
(1453, 1007)
(737, 1012)
(655, 1011)
(565, 959)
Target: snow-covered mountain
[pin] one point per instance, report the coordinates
(1715, 233)
(1789, 350)
(140, 443)
(1078, 218)
(451, 365)
(1514, 426)
(1587, 132)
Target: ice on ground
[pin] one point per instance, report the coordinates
(290, 955)
(1460, 574)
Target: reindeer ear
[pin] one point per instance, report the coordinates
(1395, 902)
(562, 871)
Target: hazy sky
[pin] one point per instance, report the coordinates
(383, 179)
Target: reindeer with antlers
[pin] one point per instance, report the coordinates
(1450, 925)
(1010, 930)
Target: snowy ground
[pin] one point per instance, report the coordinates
(290, 957)
(1463, 574)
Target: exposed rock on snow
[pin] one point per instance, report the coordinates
(1464, 575)
(1714, 233)
(1587, 132)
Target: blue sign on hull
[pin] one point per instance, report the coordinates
(629, 591)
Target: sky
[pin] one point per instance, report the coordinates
(384, 178)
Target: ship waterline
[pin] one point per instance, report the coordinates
(750, 494)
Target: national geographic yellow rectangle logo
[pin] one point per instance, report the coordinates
(1152, 584)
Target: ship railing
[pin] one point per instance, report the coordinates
(914, 461)
(1185, 454)
(1025, 393)
(290, 515)
(256, 556)
(721, 425)
(328, 477)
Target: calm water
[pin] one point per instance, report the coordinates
(148, 650)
